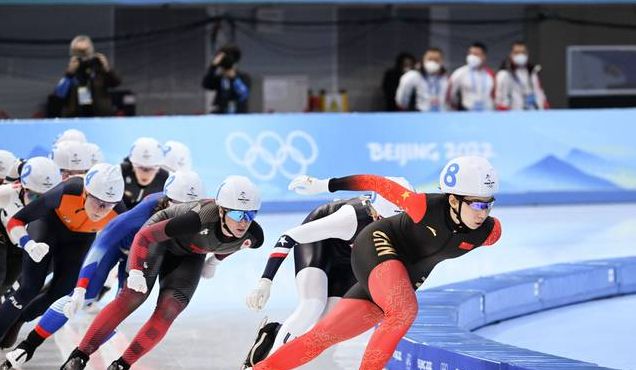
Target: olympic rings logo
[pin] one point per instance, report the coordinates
(270, 154)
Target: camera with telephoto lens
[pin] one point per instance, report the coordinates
(87, 66)
(227, 62)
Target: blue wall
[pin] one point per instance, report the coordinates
(575, 156)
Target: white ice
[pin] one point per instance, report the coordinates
(216, 329)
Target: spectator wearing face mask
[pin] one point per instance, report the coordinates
(84, 89)
(404, 62)
(429, 82)
(518, 83)
(472, 86)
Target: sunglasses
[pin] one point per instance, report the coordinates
(239, 216)
(478, 205)
(101, 204)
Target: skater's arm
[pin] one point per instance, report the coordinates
(414, 204)
(117, 233)
(341, 224)
(6, 191)
(39, 208)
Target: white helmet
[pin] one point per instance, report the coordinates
(105, 182)
(7, 159)
(40, 174)
(146, 152)
(71, 135)
(177, 156)
(238, 192)
(383, 206)
(71, 156)
(95, 153)
(469, 176)
(184, 186)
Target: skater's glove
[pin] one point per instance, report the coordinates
(136, 281)
(307, 185)
(258, 297)
(75, 303)
(209, 268)
(36, 250)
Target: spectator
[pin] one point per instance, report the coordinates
(518, 84)
(472, 86)
(429, 81)
(83, 91)
(403, 63)
(231, 87)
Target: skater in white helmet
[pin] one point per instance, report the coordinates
(62, 224)
(109, 249)
(177, 156)
(95, 153)
(392, 257)
(71, 135)
(142, 170)
(73, 158)
(172, 247)
(43, 175)
(7, 160)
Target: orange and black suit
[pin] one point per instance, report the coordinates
(57, 218)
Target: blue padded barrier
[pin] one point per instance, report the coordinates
(571, 283)
(469, 305)
(504, 297)
(624, 270)
(441, 337)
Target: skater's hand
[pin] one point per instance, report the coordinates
(209, 268)
(258, 297)
(36, 250)
(75, 303)
(307, 185)
(136, 281)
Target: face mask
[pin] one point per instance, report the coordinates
(520, 60)
(431, 67)
(473, 61)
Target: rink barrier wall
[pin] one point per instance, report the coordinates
(551, 157)
(441, 337)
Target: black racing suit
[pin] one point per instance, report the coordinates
(135, 193)
(57, 218)
(172, 246)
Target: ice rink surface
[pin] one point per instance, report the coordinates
(216, 329)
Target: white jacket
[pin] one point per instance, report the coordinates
(520, 89)
(430, 91)
(472, 89)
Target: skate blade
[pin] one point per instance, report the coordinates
(260, 326)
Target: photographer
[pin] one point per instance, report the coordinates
(231, 87)
(83, 91)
